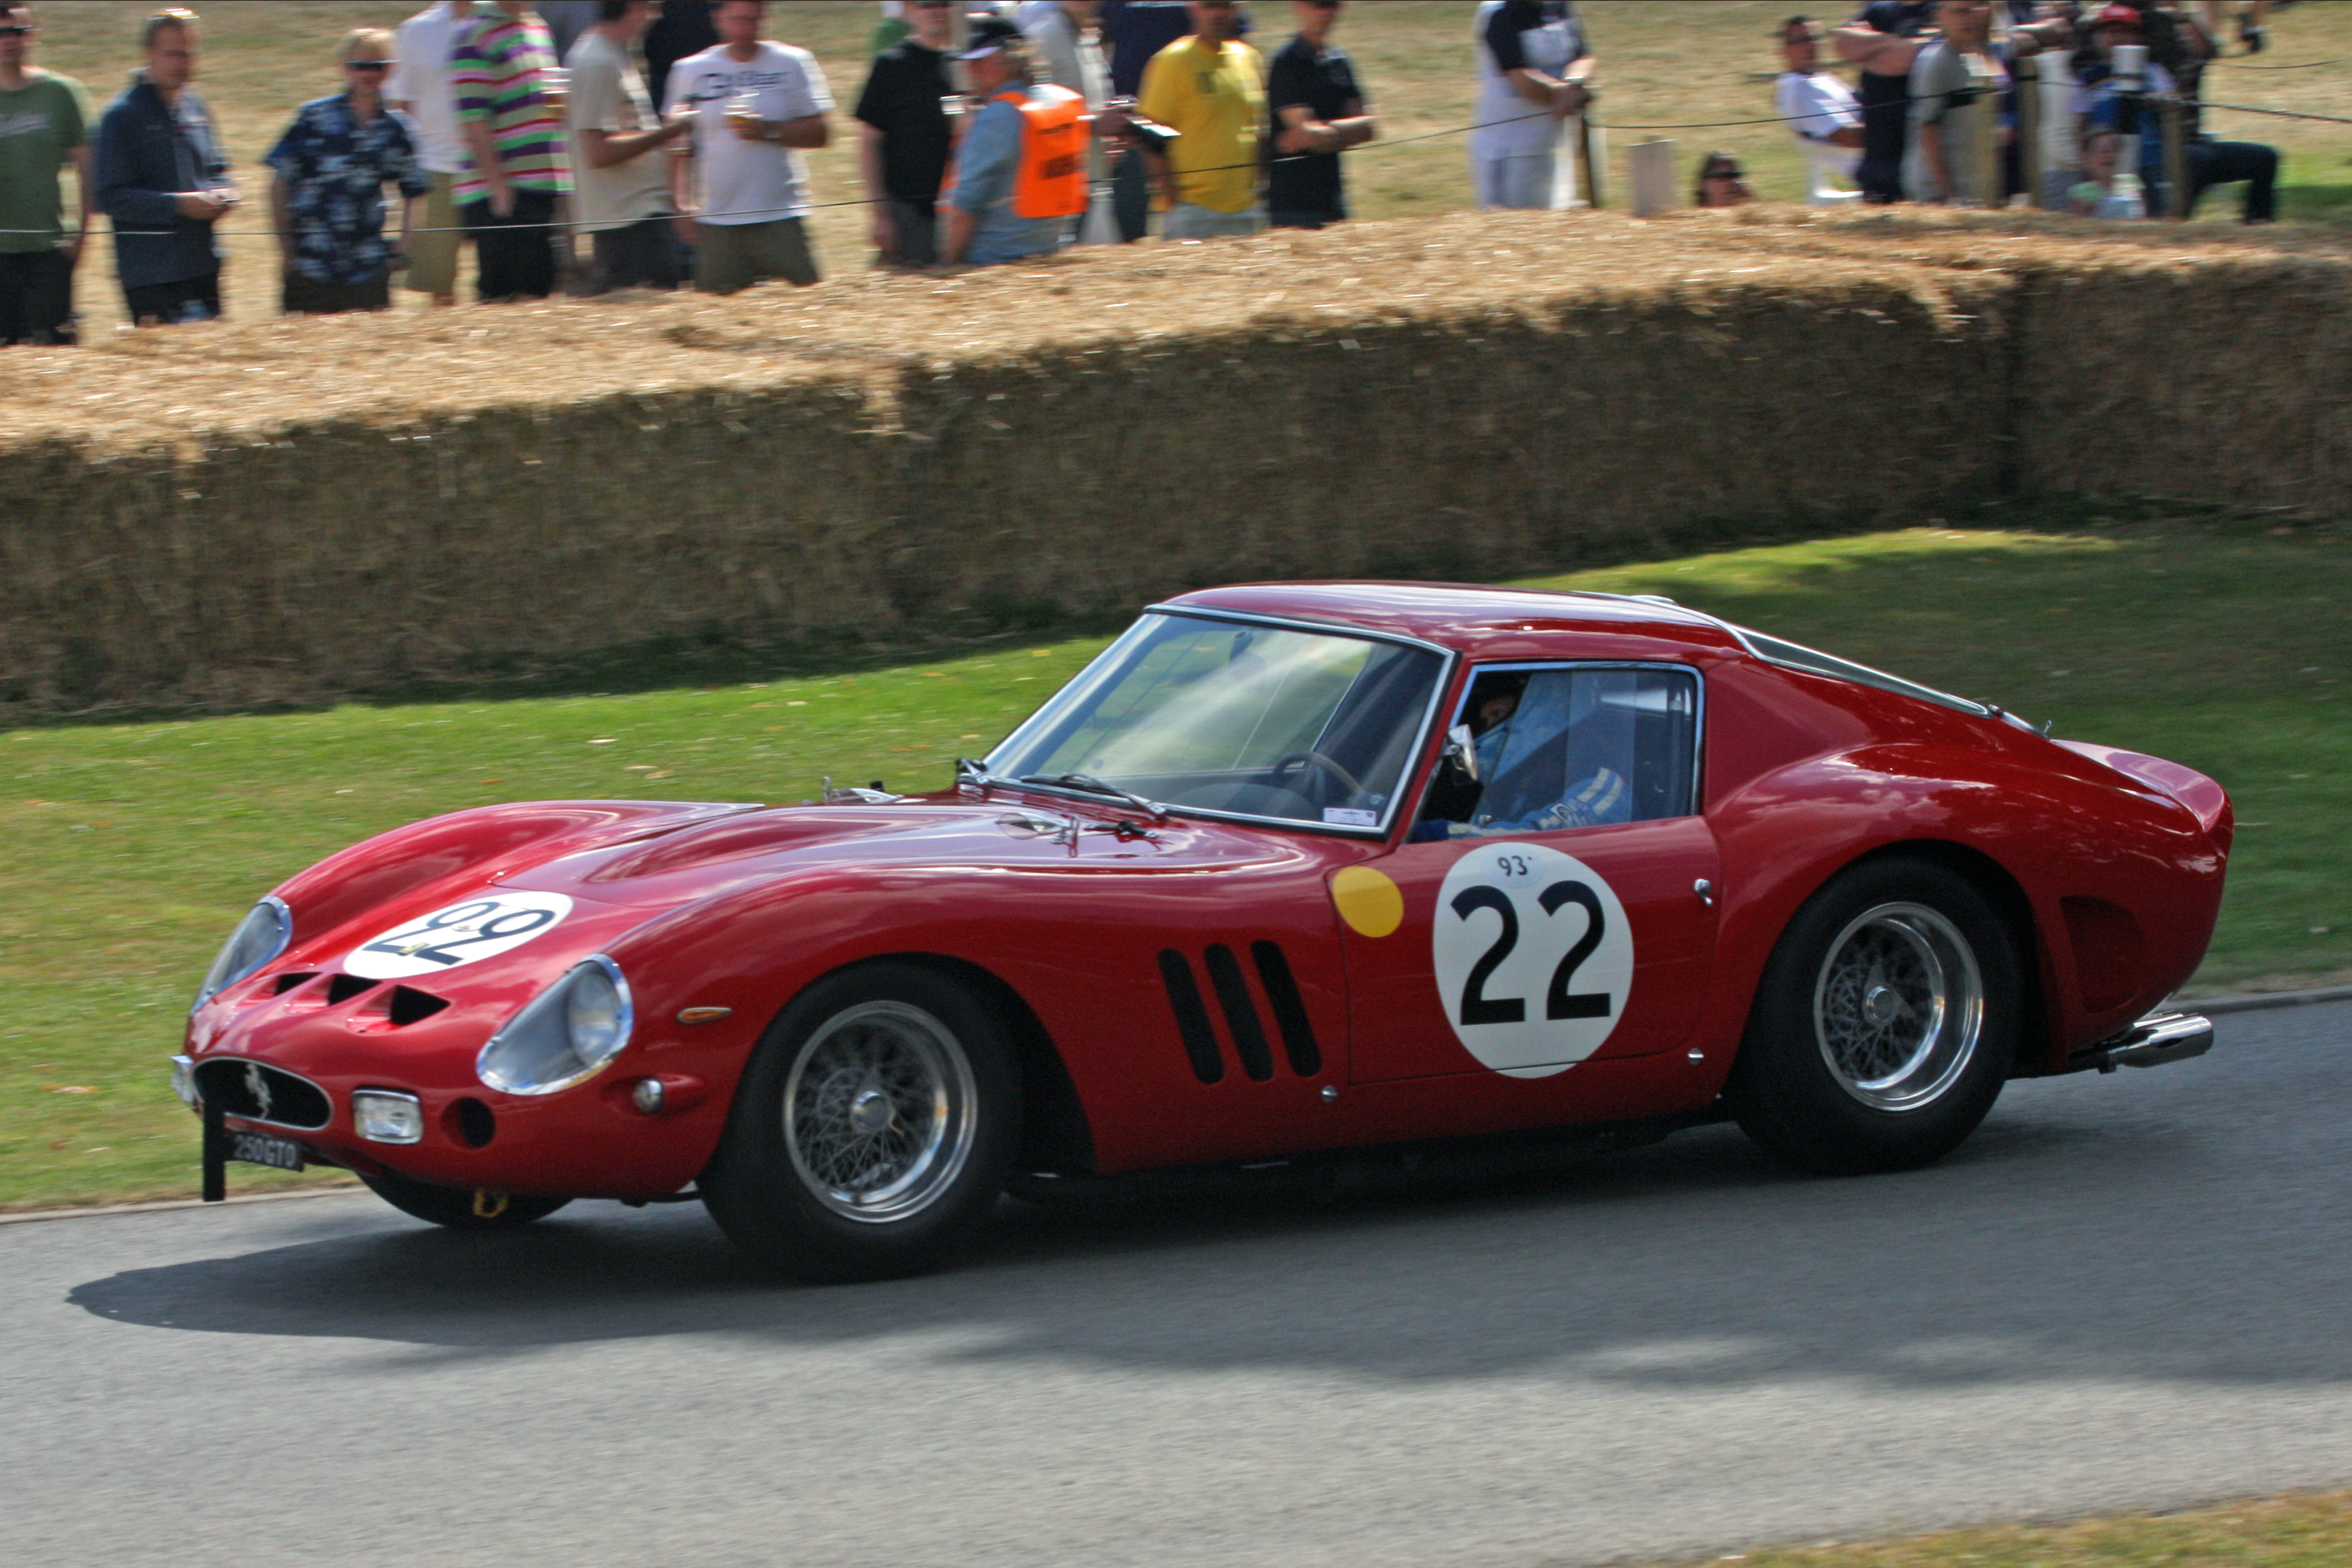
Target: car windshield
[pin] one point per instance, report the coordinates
(1253, 721)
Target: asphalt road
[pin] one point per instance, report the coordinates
(2132, 1290)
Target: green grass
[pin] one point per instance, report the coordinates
(2279, 1532)
(131, 849)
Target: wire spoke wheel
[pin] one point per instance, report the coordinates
(1898, 1007)
(881, 1111)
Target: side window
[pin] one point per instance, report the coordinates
(1564, 746)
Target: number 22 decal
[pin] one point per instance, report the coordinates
(1558, 1002)
(1505, 936)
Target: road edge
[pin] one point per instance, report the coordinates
(158, 1205)
(2253, 1001)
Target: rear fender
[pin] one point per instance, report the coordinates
(2053, 837)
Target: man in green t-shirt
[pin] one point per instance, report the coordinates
(43, 117)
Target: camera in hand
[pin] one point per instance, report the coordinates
(1151, 133)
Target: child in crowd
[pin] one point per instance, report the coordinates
(2099, 194)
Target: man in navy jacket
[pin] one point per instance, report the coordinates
(163, 177)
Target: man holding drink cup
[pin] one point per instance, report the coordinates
(163, 177)
(755, 103)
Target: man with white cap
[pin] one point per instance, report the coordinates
(1021, 173)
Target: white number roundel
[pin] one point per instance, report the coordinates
(479, 927)
(1534, 957)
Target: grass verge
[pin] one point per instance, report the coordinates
(131, 849)
(2274, 1532)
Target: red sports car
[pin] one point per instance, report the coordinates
(1287, 868)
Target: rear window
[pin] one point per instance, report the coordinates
(1793, 656)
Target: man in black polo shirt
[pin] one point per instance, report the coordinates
(1316, 109)
(1884, 39)
(903, 141)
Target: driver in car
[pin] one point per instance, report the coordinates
(1529, 733)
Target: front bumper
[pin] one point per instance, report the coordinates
(2155, 1040)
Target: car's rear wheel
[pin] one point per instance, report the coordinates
(874, 1128)
(1886, 1024)
(460, 1208)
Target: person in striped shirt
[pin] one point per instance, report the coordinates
(511, 113)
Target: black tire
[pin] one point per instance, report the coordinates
(460, 1208)
(1848, 1065)
(875, 1127)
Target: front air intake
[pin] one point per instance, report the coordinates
(256, 1092)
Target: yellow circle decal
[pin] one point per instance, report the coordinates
(1368, 900)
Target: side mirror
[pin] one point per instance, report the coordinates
(1461, 749)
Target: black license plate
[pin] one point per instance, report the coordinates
(256, 1149)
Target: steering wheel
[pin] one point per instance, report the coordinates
(1348, 783)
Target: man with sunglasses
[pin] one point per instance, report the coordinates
(1318, 111)
(332, 165)
(44, 121)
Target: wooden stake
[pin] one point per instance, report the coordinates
(2176, 160)
(2026, 75)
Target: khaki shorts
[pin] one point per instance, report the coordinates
(432, 257)
(733, 256)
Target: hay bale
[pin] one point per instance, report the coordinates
(292, 509)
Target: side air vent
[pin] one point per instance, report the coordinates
(1289, 1011)
(1191, 1017)
(258, 1093)
(343, 988)
(288, 981)
(409, 1005)
(1241, 1013)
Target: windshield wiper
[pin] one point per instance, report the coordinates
(1094, 785)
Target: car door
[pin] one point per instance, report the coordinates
(1569, 915)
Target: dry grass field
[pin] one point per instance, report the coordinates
(1663, 62)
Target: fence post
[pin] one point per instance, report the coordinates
(2026, 80)
(2176, 161)
(1650, 168)
(1984, 131)
(1591, 151)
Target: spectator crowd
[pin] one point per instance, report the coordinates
(671, 133)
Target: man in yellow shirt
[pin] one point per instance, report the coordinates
(1211, 90)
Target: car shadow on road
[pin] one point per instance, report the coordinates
(2065, 1238)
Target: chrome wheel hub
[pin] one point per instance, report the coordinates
(1898, 1007)
(879, 1111)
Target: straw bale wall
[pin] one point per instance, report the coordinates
(291, 511)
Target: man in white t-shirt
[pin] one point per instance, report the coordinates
(755, 103)
(1822, 113)
(1533, 64)
(419, 88)
(620, 170)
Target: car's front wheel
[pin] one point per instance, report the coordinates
(874, 1128)
(460, 1208)
(1886, 1024)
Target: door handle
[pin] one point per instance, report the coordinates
(1705, 891)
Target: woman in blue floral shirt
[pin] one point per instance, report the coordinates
(332, 165)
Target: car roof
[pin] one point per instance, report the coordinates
(1474, 620)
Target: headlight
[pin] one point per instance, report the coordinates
(567, 1032)
(261, 936)
(387, 1115)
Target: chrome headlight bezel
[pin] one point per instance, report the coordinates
(268, 925)
(565, 1036)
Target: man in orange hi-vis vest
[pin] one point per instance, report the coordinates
(1021, 172)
